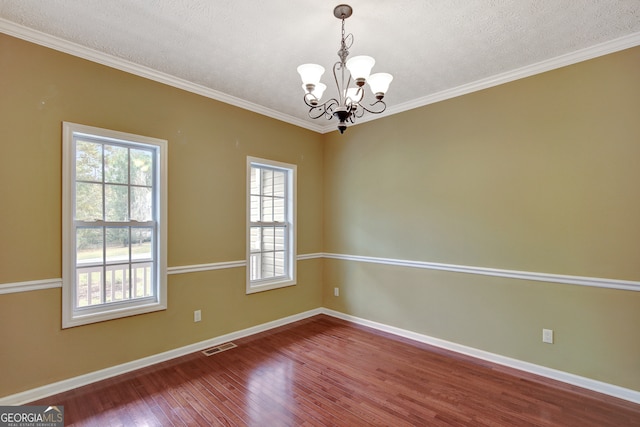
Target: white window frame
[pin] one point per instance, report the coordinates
(75, 316)
(289, 279)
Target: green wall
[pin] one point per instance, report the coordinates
(540, 175)
(209, 142)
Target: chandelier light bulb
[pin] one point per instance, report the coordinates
(317, 91)
(379, 83)
(360, 68)
(352, 94)
(310, 73)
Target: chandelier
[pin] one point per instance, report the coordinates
(348, 106)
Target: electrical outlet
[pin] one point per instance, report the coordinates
(197, 316)
(336, 292)
(547, 336)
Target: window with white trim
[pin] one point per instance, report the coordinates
(271, 213)
(114, 224)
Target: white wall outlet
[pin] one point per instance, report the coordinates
(547, 336)
(336, 292)
(197, 316)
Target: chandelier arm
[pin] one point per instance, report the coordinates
(349, 80)
(361, 93)
(357, 112)
(316, 113)
(320, 112)
(374, 111)
(339, 66)
(348, 40)
(330, 104)
(310, 100)
(324, 109)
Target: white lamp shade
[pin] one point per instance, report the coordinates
(317, 91)
(310, 73)
(379, 82)
(360, 66)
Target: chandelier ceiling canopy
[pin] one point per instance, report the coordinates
(350, 78)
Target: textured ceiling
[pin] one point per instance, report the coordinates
(246, 52)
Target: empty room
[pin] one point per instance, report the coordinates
(280, 213)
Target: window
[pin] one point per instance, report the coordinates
(271, 213)
(114, 224)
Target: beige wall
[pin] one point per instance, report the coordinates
(541, 175)
(536, 175)
(208, 145)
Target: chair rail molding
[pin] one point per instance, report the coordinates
(627, 285)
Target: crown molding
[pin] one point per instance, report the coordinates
(65, 46)
(56, 43)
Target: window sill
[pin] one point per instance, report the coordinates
(267, 286)
(79, 319)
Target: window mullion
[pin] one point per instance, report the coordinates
(129, 184)
(115, 223)
(104, 265)
(129, 240)
(261, 195)
(130, 278)
(103, 278)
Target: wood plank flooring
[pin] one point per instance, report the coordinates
(327, 372)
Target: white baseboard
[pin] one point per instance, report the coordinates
(554, 374)
(82, 380)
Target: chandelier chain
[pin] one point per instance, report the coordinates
(346, 41)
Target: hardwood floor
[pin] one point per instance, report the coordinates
(324, 371)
